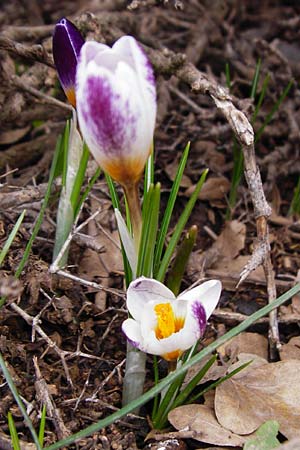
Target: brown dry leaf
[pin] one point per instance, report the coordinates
(214, 188)
(245, 342)
(232, 239)
(214, 373)
(171, 171)
(291, 350)
(202, 420)
(235, 266)
(12, 136)
(256, 394)
(101, 266)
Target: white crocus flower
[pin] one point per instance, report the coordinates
(164, 325)
(116, 104)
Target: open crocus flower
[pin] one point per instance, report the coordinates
(116, 104)
(164, 325)
(67, 43)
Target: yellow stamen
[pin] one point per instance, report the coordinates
(167, 322)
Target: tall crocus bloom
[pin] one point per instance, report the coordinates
(164, 325)
(67, 43)
(116, 104)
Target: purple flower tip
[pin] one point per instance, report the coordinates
(67, 43)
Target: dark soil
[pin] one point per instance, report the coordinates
(84, 372)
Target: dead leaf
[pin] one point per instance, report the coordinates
(12, 136)
(258, 394)
(214, 188)
(235, 266)
(202, 420)
(171, 171)
(232, 239)
(93, 265)
(291, 350)
(245, 343)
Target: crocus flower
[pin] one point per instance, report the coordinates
(164, 325)
(67, 43)
(116, 104)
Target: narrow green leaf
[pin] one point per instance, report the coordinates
(178, 229)
(149, 231)
(64, 151)
(13, 432)
(273, 110)
(181, 259)
(261, 97)
(11, 237)
(116, 204)
(19, 402)
(149, 173)
(42, 426)
(255, 79)
(295, 203)
(227, 75)
(94, 428)
(79, 177)
(87, 190)
(169, 209)
(186, 392)
(216, 383)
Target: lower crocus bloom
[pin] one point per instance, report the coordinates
(116, 104)
(164, 325)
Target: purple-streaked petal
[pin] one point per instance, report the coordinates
(135, 56)
(132, 331)
(112, 120)
(116, 102)
(144, 290)
(207, 293)
(67, 43)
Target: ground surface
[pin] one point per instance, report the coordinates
(85, 323)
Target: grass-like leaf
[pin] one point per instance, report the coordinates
(13, 432)
(41, 213)
(79, 177)
(19, 402)
(149, 173)
(149, 231)
(295, 203)
(161, 270)
(167, 404)
(181, 259)
(169, 210)
(273, 110)
(11, 237)
(216, 383)
(42, 426)
(94, 428)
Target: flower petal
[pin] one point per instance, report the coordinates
(127, 242)
(207, 293)
(112, 120)
(67, 43)
(132, 331)
(133, 53)
(144, 290)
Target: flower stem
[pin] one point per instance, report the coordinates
(134, 206)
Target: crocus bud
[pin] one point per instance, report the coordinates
(67, 43)
(116, 104)
(165, 325)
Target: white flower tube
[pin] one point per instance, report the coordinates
(116, 104)
(164, 325)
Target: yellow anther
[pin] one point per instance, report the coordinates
(167, 322)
